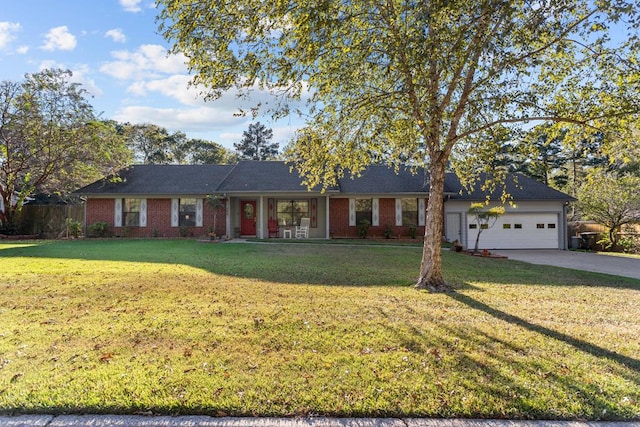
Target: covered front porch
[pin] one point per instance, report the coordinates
(276, 215)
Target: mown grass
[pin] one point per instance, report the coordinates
(181, 327)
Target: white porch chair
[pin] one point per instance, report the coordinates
(302, 230)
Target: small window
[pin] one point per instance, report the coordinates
(539, 226)
(364, 210)
(551, 226)
(409, 211)
(506, 226)
(484, 226)
(517, 226)
(131, 212)
(473, 226)
(187, 212)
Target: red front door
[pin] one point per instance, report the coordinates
(248, 221)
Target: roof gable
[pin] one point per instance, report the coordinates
(263, 177)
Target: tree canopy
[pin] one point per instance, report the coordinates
(413, 81)
(153, 144)
(611, 200)
(51, 139)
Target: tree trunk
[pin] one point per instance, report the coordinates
(431, 267)
(5, 216)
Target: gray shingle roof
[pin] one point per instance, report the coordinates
(518, 186)
(262, 177)
(378, 179)
(162, 180)
(278, 177)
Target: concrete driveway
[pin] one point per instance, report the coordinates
(598, 263)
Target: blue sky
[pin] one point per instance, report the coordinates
(115, 52)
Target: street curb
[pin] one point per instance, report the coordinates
(205, 421)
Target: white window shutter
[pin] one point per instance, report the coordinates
(117, 218)
(421, 211)
(175, 212)
(398, 212)
(352, 212)
(375, 212)
(199, 213)
(143, 212)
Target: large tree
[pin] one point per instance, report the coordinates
(256, 143)
(50, 139)
(610, 200)
(412, 80)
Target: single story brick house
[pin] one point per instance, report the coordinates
(170, 201)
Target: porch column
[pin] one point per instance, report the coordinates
(227, 218)
(327, 219)
(261, 217)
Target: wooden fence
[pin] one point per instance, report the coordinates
(49, 221)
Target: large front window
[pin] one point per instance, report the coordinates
(364, 209)
(187, 212)
(289, 212)
(131, 212)
(409, 211)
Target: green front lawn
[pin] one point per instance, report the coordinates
(181, 327)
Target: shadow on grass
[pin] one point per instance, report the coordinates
(578, 344)
(317, 264)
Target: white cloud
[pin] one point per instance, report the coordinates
(148, 61)
(80, 75)
(131, 5)
(23, 50)
(188, 120)
(116, 35)
(59, 38)
(7, 32)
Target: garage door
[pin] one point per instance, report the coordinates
(517, 231)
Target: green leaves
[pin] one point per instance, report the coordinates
(51, 138)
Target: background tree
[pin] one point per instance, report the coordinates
(611, 201)
(151, 144)
(413, 80)
(201, 152)
(51, 140)
(255, 143)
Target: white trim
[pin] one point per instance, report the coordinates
(175, 212)
(398, 212)
(327, 219)
(143, 213)
(421, 212)
(375, 212)
(117, 216)
(352, 212)
(199, 214)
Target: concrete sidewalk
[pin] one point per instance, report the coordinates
(203, 421)
(586, 261)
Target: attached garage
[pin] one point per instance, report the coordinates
(535, 220)
(518, 231)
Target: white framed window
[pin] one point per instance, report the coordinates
(187, 213)
(289, 212)
(131, 212)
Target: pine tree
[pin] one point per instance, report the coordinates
(256, 145)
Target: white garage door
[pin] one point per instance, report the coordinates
(517, 231)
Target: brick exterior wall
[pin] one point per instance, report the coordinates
(158, 220)
(339, 220)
